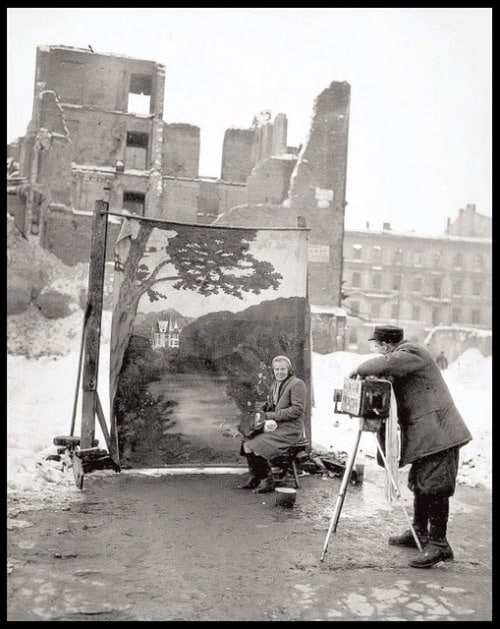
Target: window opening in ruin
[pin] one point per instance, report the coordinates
(457, 288)
(415, 313)
(477, 288)
(396, 282)
(377, 280)
(417, 284)
(398, 257)
(136, 151)
(354, 308)
(139, 97)
(436, 287)
(456, 315)
(478, 262)
(134, 202)
(458, 261)
(476, 316)
(377, 253)
(435, 316)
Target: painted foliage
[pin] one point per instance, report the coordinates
(199, 311)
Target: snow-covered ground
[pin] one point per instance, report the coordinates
(41, 396)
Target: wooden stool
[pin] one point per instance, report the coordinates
(288, 460)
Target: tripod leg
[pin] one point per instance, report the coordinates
(343, 489)
(398, 496)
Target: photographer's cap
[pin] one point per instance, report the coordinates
(387, 334)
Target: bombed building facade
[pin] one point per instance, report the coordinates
(97, 133)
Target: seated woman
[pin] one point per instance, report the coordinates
(283, 427)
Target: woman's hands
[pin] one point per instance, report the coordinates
(270, 425)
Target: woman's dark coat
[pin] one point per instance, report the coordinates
(429, 420)
(289, 415)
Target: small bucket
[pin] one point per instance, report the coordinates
(285, 496)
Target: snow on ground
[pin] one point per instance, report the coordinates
(40, 400)
(41, 391)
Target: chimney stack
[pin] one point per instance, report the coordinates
(386, 226)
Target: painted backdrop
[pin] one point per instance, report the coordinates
(199, 312)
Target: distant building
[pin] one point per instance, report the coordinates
(470, 223)
(165, 334)
(418, 281)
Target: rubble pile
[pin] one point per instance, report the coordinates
(45, 298)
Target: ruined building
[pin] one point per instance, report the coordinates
(97, 132)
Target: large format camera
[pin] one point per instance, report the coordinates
(369, 398)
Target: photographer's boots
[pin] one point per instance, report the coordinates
(438, 548)
(266, 483)
(253, 479)
(420, 524)
(407, 539)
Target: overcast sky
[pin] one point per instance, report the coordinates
(421, 89)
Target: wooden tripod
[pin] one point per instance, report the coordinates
(345, 483)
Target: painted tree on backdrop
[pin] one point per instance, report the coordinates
(207, 260)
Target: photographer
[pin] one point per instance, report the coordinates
(283, 425)
(432, 432)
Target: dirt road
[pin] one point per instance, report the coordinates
(193, 547)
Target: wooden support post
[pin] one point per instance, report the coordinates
(93, 333)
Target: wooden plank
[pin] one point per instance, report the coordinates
(102, 421)
(77, 471)
(95, 293)
(308, 370)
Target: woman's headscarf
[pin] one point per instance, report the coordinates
(286, 360)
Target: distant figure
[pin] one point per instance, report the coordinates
(442, 361)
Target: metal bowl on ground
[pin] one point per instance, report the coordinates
(285, 496)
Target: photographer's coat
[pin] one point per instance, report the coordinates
(429, 420)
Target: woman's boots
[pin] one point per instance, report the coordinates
(261, 478)
(253, 479)
(265, 475)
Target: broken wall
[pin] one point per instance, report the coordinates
(238, 154)
(101, 81)
(199, 200)
(67, 235)
(317, 191)
(181, 150)
(269, 181)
